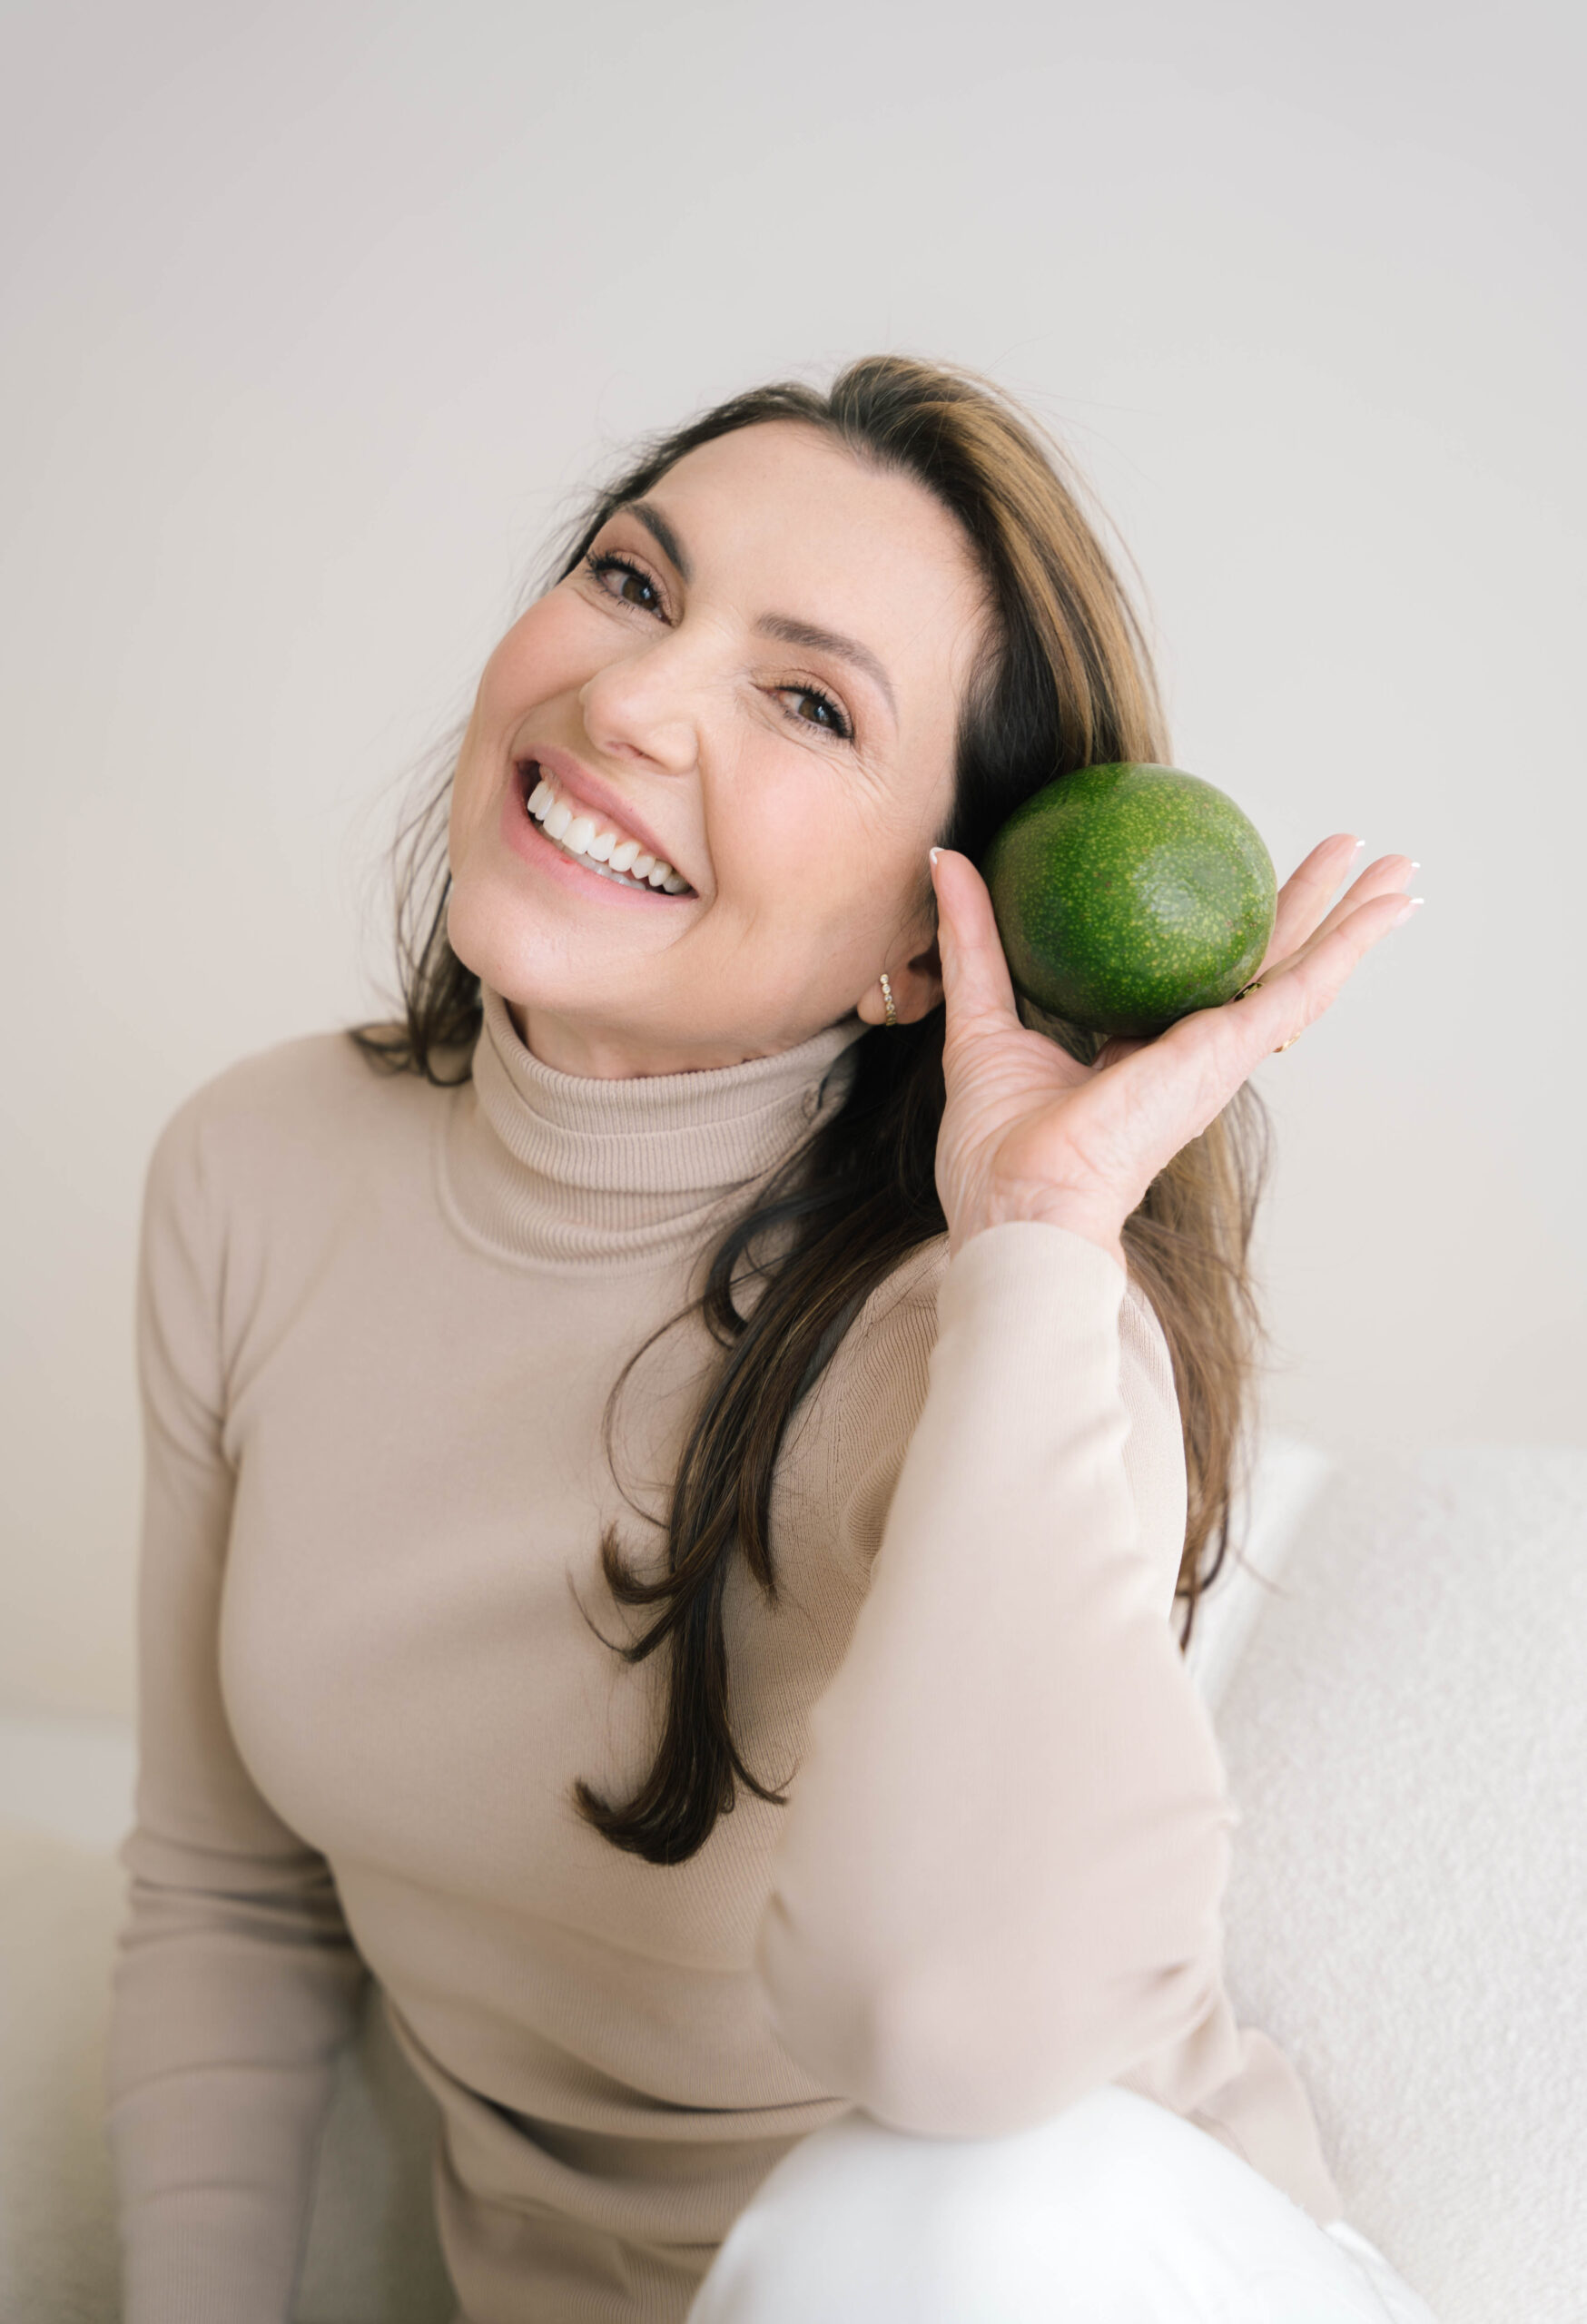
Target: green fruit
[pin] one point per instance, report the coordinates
(1127, 896)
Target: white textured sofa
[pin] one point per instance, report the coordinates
(1403, 1707)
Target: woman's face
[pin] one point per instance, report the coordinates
(758, 678)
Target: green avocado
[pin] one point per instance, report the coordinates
(1127, 895)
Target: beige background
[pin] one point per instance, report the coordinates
(316, 314)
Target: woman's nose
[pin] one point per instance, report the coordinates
(641, 706)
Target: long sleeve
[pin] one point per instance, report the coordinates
(999, 1879)
(235, 1981)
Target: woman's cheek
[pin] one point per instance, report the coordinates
(549, 651)
(799, 850)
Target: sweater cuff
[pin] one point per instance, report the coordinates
(1014, 1274)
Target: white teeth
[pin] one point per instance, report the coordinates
(580, 834)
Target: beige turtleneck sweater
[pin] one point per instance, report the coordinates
(377, 1323)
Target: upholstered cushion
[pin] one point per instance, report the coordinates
(1406, 1738)
(59, 1904)
(372, 2255)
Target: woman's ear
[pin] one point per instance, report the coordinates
(917, 988)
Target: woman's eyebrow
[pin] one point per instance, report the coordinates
(662, 532)
(829, 641)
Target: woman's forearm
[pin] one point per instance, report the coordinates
(1000, 1878)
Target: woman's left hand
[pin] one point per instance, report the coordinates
(1029, 1133)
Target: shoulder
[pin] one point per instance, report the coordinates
(277, 1152)
(254, 1180)
(896, 1329)
(881, 1365)
(870, 1400)
(297, 1109)
(848, 1439)
(904, 1294)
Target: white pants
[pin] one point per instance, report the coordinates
(1116, 2211)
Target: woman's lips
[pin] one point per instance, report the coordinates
(523, 834)
(586, 793)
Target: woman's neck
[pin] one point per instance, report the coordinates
(597, 1054)
(540, 1164)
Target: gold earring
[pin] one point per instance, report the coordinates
(887, 997)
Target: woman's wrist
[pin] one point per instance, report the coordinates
(1077, 1218)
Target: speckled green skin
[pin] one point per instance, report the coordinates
(1127, 896)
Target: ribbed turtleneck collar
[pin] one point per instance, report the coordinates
(565, 1169)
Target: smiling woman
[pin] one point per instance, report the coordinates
(938, 538)
(891, 1792)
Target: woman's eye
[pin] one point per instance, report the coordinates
(635, 581)
(824, 712)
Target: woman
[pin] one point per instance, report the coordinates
(668, 1473)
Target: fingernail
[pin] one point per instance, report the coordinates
(1416, 863)
(1411, 904)
(935, 852)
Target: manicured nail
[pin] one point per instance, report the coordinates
(935, 853)
(1412, 903)
(1416, 863)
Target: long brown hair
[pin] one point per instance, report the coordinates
(1064, 680)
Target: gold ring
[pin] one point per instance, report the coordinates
(1290, 1044)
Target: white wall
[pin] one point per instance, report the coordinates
(315, 315)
